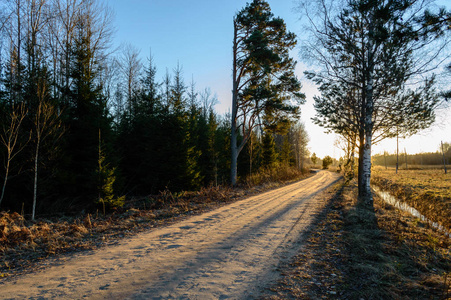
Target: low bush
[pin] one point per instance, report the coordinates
(281, 173)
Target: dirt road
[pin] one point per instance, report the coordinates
(231, 252)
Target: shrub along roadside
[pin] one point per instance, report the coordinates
(358, 252)
(278, 175)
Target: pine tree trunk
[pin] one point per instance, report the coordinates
(234, 159)
(233, 135)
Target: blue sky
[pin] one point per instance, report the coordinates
(198, 35)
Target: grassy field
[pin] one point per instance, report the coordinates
(427, 190)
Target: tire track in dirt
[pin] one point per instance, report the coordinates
(231, 252)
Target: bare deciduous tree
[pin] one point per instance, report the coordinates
(131, 67)
(10, 139)
(208, 101)
(46, 124)
(61, 29)
(299, 140)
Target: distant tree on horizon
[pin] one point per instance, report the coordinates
(314, 158)
(327, 161)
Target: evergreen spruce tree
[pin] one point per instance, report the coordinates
(222, 150)
(286, 153)
(269, 154)
(106, 179)
(86, 114)
(141, 163)
(183, 155)
(207, 125)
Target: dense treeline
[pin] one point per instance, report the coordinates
(81, 127)
(419, 159)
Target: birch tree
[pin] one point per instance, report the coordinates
(47, 124)
(371, 52)
(10, 138)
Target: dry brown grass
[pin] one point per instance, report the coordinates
(358, 252)
(429, 191)
(277, 175)
(23, 243)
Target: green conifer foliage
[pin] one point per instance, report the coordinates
(107, 178)
(85, 115)
(286, 152)
(327, 161)
(269, 154)
(265, 89)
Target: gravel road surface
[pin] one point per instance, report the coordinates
(232, 252)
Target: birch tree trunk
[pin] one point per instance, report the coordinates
(360, 180)
(5, 181)
(366, 195)
(35, 184)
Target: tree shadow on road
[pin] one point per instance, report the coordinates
(367, 252)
